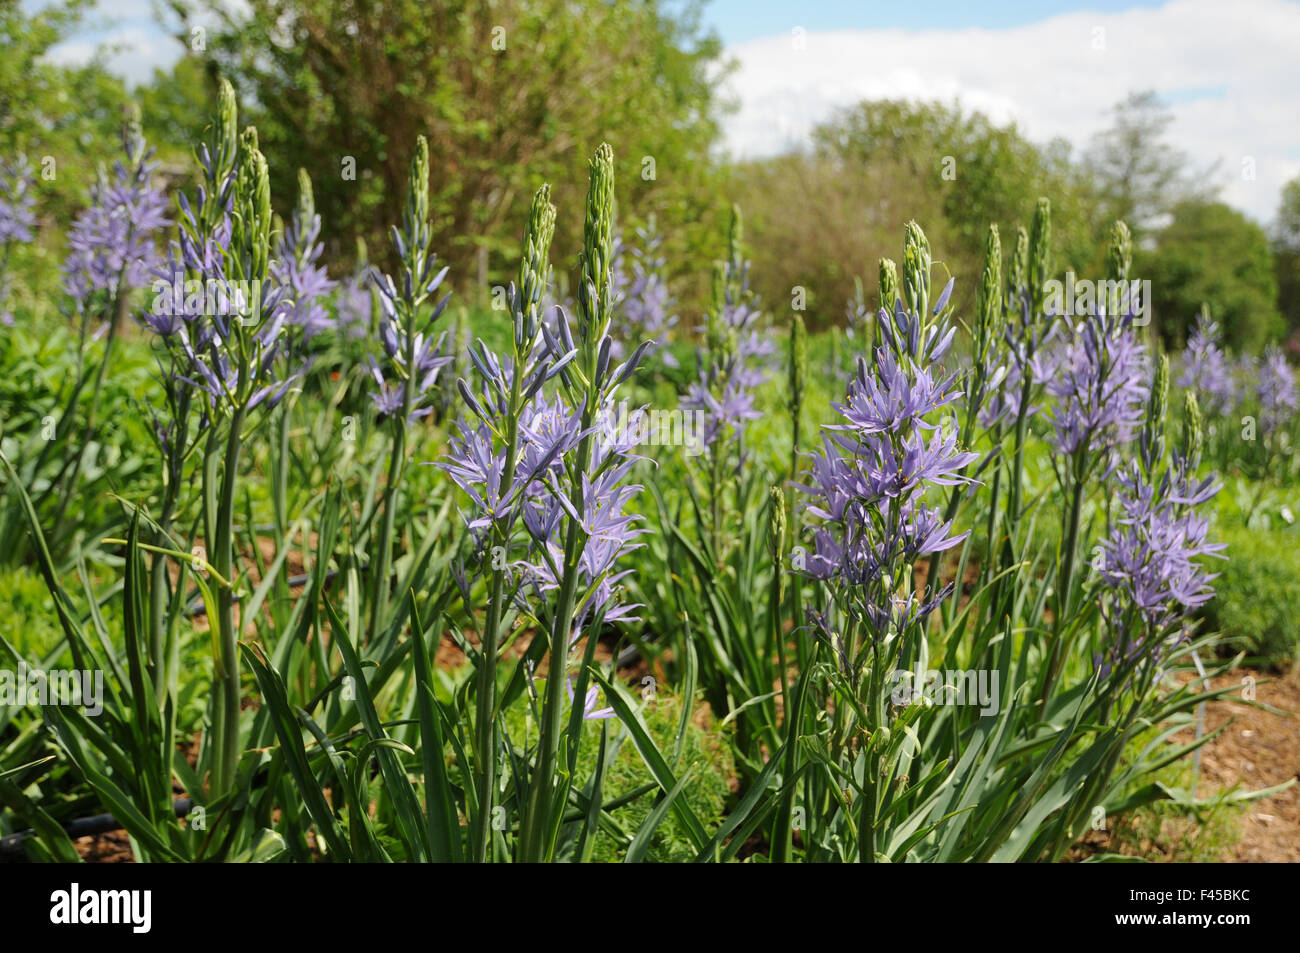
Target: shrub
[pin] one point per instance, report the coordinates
(1255, 602)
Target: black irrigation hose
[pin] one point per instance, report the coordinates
(12, 845)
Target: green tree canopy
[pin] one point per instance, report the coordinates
(65, 119)
(509, 94)
(1212, 253)
(822, 217)
(1138, 176)
(1286, 254)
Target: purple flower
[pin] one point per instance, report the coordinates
(642, 292)
(723, 413)
(867, 483)
(1206, 370)
(898, 392)
(858, 316)
(16, 219)
(1149, 562)
(589, 703)
(540, 498)
(1025, 345)
(402, 345)
(734, 367)
(1100, 384)
(17, 200)
(111, 247)
(297, 269)
(352, 305)
(1276, 389)
(196, 309)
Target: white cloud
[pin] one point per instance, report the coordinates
(133, 43)
(1058, 77)
(131, 52)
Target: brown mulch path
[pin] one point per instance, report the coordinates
(1258, 750)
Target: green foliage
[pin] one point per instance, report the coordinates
(1138, 176)
(1286, 254)
(819, 218)
(1255, 595)
(705, 751)
(65, 119)
(1211, 253)
(509, 95)
(28, 621)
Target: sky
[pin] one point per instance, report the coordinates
(1229, 71)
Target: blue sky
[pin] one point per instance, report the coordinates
(1228, 70)
(739, 21)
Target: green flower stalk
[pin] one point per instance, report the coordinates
(534, 274)
(736, 240)
(1119, 259)
(248, 261)
(1017, 274)
(591, 365)
(412, 359)
(798, 372)
(916, 272)
(726, 375)
(1152, 438)
(219, 170)
(776, 527)
(782, 832)
(1190, 438)
(1037, 255)
(1025, 295)
(1040, 253)
(989, 316)
(987, 331)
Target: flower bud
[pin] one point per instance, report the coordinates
(306, 198)
(1119, 259)
(1191, 437)
(916, 270)
(1040, 253)
(736, 238)
(598, 237)
(776, 526)
(1018, 273)
(989, 314)
(534, 265)
(1153, 432)
(888, 286)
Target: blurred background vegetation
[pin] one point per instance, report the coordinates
(511, 94)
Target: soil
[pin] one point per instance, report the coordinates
(1259, 749)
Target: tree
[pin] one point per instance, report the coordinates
(1212, 253)
(508, 93)
(823, 217)
(1286, 254)
(1138, 175)
(65, 119)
